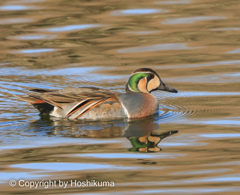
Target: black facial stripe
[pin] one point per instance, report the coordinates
(150, 77)
(152, 90)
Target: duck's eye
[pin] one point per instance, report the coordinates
(150, 77)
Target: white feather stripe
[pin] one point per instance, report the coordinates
(89, 106)
(125, 110)
(75, 107)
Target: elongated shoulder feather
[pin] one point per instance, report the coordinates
(70, 99)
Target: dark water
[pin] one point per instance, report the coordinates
(194, 46)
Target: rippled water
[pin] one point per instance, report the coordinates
(193, 45)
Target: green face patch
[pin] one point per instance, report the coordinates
(134, 79)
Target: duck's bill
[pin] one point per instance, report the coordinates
(157, 138)
(167, 134)
(165, 87)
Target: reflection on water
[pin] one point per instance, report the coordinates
(34, 36)
(67, 166)
(142, 32)
(177, 191)
(15, 20)
(225, 29)
(219, 122)
(72, 27)
(193, 45)
(138, 11)
(159, 47)
(223, 63)
(174, 2)
(201, 172)
(148, 143)
(235, 51)
(223, 135)
(126, 155)
(214, 78)
(14, 7)
(225, 178)
(192, 19)
(33, 51)
(30, 1)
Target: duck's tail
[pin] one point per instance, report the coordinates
(43, 107)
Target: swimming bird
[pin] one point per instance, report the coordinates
(93, 103)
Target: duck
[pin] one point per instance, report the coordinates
(94, 103)
(149, 143)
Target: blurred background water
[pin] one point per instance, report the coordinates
(194, 45)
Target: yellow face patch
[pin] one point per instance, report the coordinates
(142, 85)
(153, 83)
(143, 139)
(154, 139)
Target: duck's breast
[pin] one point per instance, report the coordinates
(137, 105)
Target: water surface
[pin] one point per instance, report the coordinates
(192, 44)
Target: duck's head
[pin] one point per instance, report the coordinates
(146, 80)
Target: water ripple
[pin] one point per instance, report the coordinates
(224, 29)
(174, 2)
(128, 155)
(213, 78)
(190, 20)
(220, 63)
(181, 190)
(137, 11)
(31, 51)
(217, 179)
(15, 7)
(15, 20)
(158, 47)
(73, 27)
(235, 51)
(64, 166)
(33, 36)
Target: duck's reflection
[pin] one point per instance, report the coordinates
(144, 134)
(148, 143)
